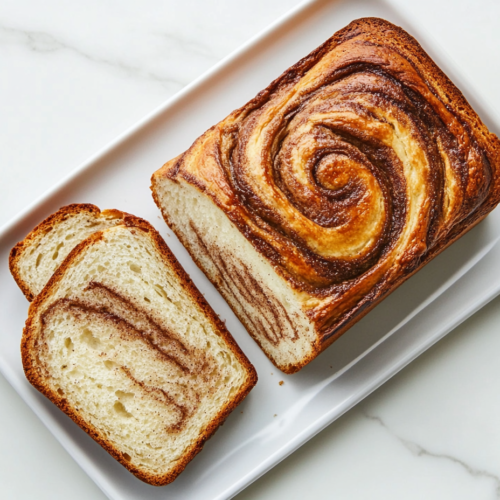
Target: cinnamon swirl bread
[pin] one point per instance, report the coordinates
(321, 195)
(122, 342)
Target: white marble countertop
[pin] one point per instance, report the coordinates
(75, 75)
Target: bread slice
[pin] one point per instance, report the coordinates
(320, 196)
(122, 341)
(33, 260)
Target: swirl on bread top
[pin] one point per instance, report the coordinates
(351, 168)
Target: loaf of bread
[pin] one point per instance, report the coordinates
(35, 259)
(122, 341)
(320, 196)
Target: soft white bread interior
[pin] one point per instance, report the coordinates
(34, 260)
(122, 341)
(269, 308)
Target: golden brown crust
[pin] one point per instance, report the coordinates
(44, 227)
(350, 171)
(42, 301)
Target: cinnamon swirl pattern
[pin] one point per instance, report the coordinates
(348, 173)
(182, 371)
(122, 342)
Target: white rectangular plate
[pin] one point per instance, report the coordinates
(274, 420)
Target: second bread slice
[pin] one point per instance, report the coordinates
(122, 341)
(33, 260)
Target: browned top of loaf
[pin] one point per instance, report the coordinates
(309, 172)
(43, 302)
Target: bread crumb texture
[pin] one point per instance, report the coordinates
(122, 342)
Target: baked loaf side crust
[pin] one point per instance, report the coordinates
(331, 187)
(33, 260)
(178, 353)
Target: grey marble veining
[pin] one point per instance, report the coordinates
(45, 43)
(419, 451)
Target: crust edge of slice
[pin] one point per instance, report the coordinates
(43, 228)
